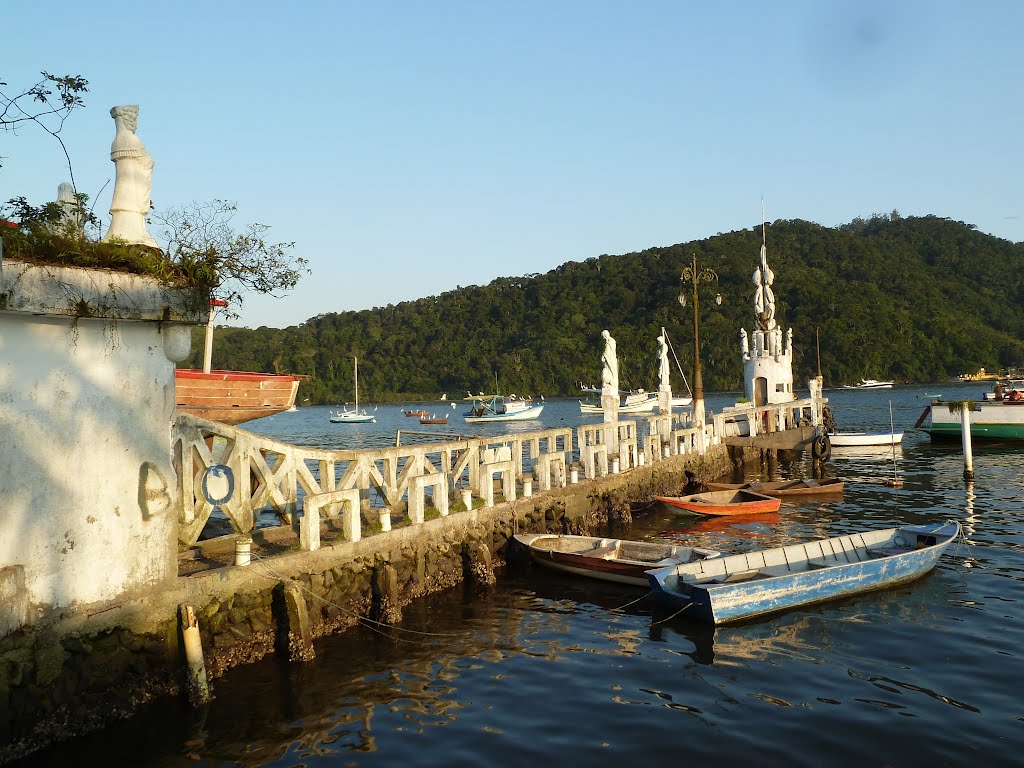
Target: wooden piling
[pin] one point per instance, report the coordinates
(195, 673)
(300, 636)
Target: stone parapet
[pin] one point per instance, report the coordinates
(41, 289)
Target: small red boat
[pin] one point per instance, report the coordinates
(731, 502)
(418, 414)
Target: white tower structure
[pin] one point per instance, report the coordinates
(767, 357)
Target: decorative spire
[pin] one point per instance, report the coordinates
(764, 298)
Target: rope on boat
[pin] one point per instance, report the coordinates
(654, 623)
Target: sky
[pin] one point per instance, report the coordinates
(408, 148)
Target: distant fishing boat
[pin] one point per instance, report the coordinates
(501, 408)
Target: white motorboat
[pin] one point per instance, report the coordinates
(870, 384)
(501, 408)
(843, 439)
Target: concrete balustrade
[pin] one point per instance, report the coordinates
(497, 462)
(294, 482)
(417, 496)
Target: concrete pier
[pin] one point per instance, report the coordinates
(92, 622)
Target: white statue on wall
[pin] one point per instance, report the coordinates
(70, 223)
(663, 371)
(610, 365)
(133, 181)
(744, 343)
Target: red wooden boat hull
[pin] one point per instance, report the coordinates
(233, 397)
(729, 502)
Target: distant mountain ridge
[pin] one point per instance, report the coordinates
(914, 299)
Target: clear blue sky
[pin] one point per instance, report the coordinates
(411, 147)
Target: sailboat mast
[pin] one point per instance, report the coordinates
(356, 370)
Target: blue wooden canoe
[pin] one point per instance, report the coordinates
(743, 586)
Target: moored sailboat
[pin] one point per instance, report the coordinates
(353, 416)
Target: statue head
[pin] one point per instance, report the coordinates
(129, 114)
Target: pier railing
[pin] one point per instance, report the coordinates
(244, 477)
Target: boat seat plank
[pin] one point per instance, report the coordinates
(821, 562)
(730, 578)
(774, 570)
(773, 557)
(887, 551)
(602, 552)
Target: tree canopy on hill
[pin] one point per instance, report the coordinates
(912, 299)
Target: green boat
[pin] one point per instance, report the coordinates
(991, 420)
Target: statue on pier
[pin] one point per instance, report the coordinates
(132, 182)
(610, 365)
(764, 298)
(744, 344)
(663, 370)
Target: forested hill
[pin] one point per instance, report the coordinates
(911, 299)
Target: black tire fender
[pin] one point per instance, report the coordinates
(821, 447)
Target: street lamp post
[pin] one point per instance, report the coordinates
(691, 278)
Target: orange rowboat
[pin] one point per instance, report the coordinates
(731, 502)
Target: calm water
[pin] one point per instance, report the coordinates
(550, 668)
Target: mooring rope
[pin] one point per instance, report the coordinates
(654, 623)
(632, 601)
(367, 622)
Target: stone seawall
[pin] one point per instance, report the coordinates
(71, 674)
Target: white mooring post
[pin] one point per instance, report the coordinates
(965, 429)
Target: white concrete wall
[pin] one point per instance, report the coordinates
(87, 491)
(769, 359)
